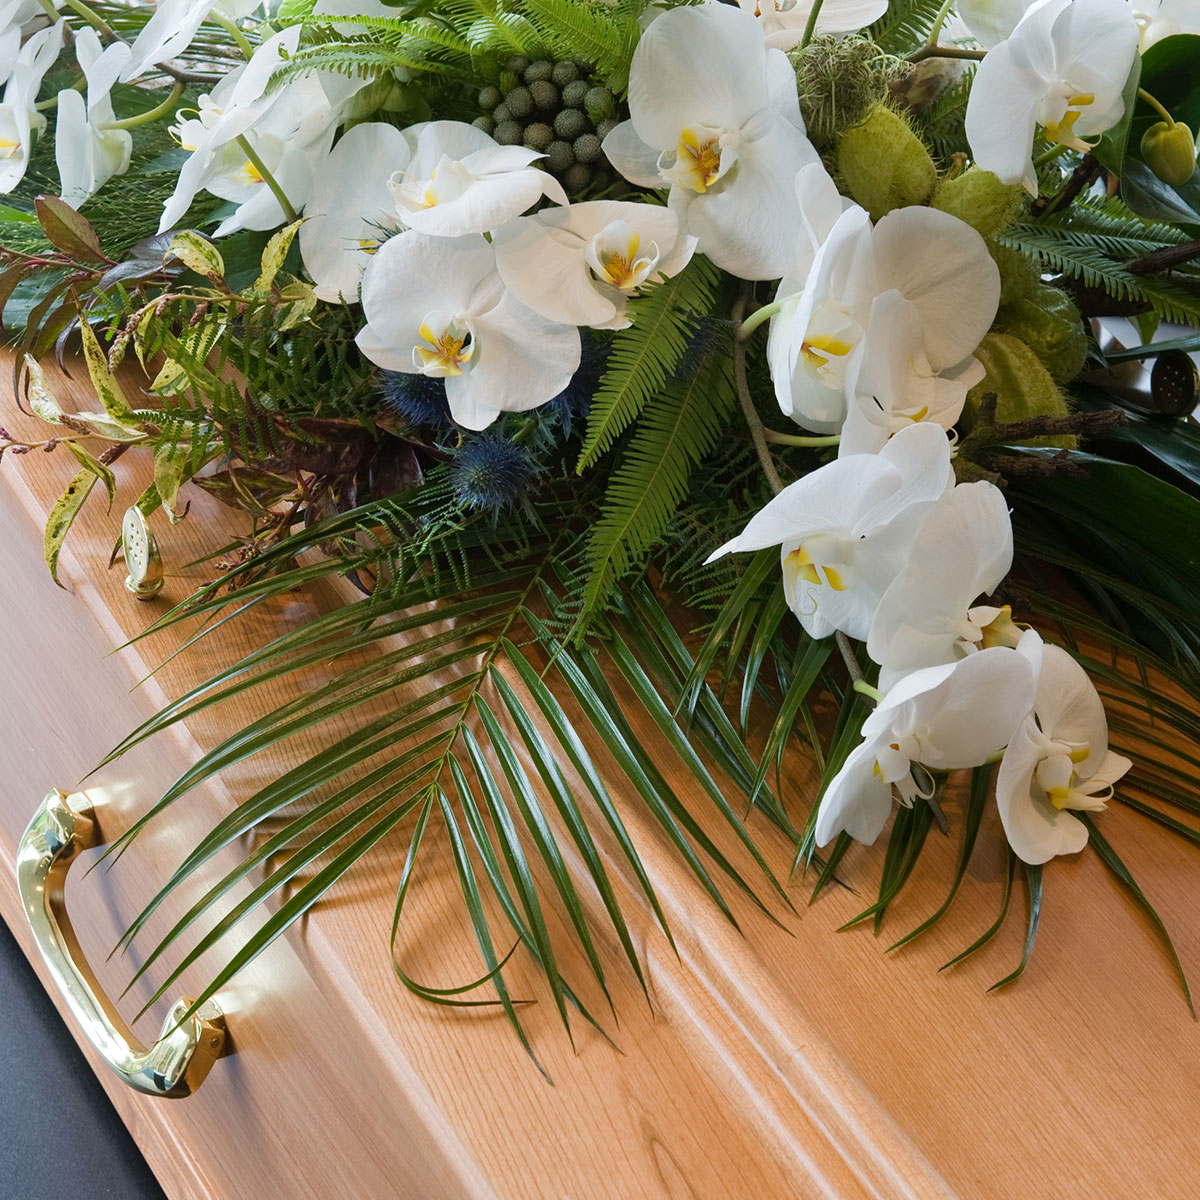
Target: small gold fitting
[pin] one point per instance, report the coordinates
(145, 578)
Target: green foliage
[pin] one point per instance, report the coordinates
(904, 26)
(577, 29)
(643, 356)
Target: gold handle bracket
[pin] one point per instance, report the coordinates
(177, 1063)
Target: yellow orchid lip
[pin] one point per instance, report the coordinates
(8, 147)
(1062, 132)
(700, 160)
(615, 257)
(449, 347)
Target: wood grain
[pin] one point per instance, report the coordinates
(786, 1060)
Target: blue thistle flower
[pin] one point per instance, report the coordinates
(490, 472)
(576, 398)
(420, 399)
(707, 335)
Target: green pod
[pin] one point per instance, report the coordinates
(1170, 152)
(1048, 322)
(1019, 274)
(981, 200)
(1023, 387)
(883, 163)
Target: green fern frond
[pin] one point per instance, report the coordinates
(643, 356)
(573, 28)
(904, 26)
(676, 430)
(1082, 256)
(362, 59)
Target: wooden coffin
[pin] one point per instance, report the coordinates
(785, 1060)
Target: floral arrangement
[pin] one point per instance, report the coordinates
(749, 358)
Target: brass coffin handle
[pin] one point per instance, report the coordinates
(177, 1063)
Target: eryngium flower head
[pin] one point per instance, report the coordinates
(420, 399)
(490, 472)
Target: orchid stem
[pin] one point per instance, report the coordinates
(97, 22)
(756, 318)
(938, 21)
(863, 688)
(289, 213)
(159, 110)
(846, 650)
(946, 52)
(757, 433)
(811, 27)
(1158, 108)
(1048, 156)
(795, 439)
(223, 22)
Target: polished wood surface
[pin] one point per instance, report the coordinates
(786, 1060)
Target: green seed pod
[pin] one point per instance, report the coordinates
(538, 136)
(1048, 322)
(587, 148)
(486, 123)
(560, 158)
(545, 95)
(564, 73)
(980, 199)
(508, 133)
(574, 93)
(577, 178)
(1023, 387)
(1019, 274)
(541, 69)
(884, 164)
(601, 104)
(1170, 152)
(571, 123)
(489, 98)
(519, 102)
(517, 64)
(605, 128)
(502, 113)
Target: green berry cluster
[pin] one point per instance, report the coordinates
(555, 109)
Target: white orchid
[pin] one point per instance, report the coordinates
(437, 306)
(1057, 762)
(1160, 19)
(944, 718)
(928, 616)
(715, 115)
(919, 360)
(580, 265)
(14, 15)
(991, 22)
(1064, 68)
(350, 207)
(170, 31)
(19, 119)
(462, 181)
(845, 529)
(784, 21)
(290, 130)
(87, 153)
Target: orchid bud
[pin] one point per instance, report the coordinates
(884, 164)
(1170, 152)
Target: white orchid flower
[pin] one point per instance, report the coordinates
(170, 31)
(14, 15)
(290, 129)
(1063, 68)
(715, 115)
(580, 265)
(893, 383)
(991, 22)
(784, 21)
(1160, 19)
(462, 181)
(87, 153)
(928, 616)
(350, 208)
(944, 718)
(845, 529)
(19, 119)
(938, 265)
(1057, 761)
(437, 306)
